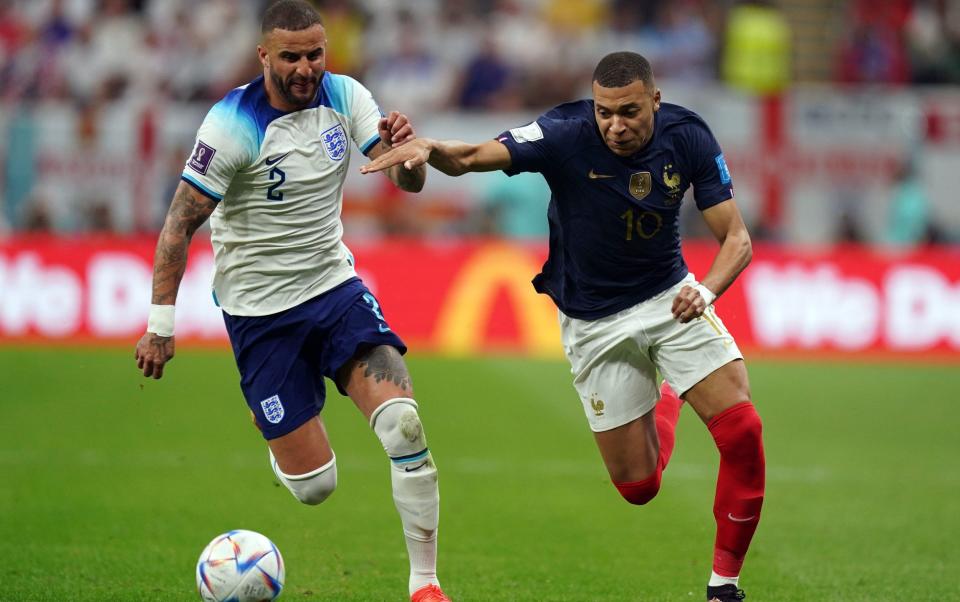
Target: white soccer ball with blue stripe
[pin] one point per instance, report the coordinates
(240, 566)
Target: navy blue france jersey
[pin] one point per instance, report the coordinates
(614, 227)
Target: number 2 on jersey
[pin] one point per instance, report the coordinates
(272, 193)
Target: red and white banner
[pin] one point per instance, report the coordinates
(463, 298)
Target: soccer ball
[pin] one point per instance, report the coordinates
(240, 566)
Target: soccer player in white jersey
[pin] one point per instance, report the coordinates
(268, 170)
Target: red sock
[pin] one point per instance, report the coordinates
(667, 414)
(737, 432)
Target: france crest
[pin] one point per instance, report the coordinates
(335, 142)
(272, 409)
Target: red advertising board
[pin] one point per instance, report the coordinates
(465, 297)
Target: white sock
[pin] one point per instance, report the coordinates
(423, 562)
(418, 502)
(413, 477)
(718, 580)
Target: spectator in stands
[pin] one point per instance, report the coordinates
(581, 16)
(117, 49)
(875, 52)
(521, 37)
(78, 70)
(514, 207)
(686, 43)
(37, 217)
(488, 82)
(458, 32)
(756, 56)
(14, 34)
(345, 50)
(933, 59)
(410, 76)
(98, 217)
(908, 221)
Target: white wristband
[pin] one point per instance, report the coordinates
(160, 321)
(706, 293)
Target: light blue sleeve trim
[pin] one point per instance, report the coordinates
(369, 144)
(193, 182)
(336, 88)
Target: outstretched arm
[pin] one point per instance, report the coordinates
(726, 223)
(188, 210)
(452, 157)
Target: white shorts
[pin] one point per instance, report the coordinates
(614, 360)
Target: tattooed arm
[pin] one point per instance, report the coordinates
(187, 212)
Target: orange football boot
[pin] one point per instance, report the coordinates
(429, 593)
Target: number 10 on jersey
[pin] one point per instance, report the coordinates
(645, 223)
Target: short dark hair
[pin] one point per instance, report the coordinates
(619, 69)
(292, 15)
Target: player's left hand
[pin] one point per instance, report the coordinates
(688, 305)
(411, 156)
(153, 353)
(395, 129)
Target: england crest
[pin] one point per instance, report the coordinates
(335, 142)
(272, 409)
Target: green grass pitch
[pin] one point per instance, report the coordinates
(110, 485)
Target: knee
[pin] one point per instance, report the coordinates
(399, 429)
(640, 492)
(737, 428)
(313, 487)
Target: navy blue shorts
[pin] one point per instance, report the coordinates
(283, 357)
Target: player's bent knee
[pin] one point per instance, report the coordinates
(738, 429)
(313, 487)
(399, 429)
(640, 492)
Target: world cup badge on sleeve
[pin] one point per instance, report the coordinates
(201, 157)
(272, 409)
(335, 142)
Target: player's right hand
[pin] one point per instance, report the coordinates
(153, 352)
(688, 305)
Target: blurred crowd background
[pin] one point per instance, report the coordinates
(841, 120)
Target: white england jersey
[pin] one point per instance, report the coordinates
(278, 177)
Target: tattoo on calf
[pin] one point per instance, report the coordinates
(385, 364)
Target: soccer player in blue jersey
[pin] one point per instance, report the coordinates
(268, 170)
(618, 166)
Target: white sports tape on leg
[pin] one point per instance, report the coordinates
(398, 426)
(310, 488)
(413, 475)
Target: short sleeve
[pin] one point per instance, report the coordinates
(711, 179)
(533, 147)
(226, 142)
(350, 98)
